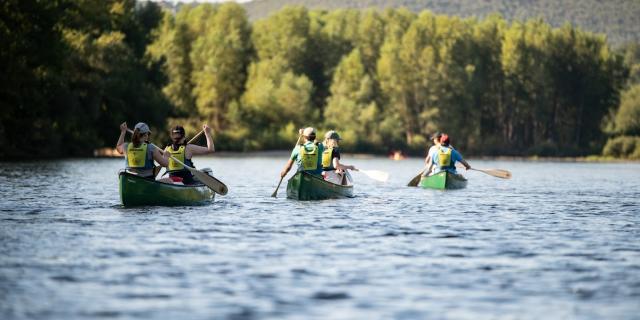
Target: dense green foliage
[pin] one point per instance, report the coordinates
(384, 79)
(618, 19)
(72, 71)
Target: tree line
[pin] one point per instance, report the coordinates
(384, 79)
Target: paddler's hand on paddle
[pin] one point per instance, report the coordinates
(206, 129)
(123, 127)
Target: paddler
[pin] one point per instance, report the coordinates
(334, 171)
(184, 152)
(435, 138)
(308, 156)
(444, 157)
(139, 154)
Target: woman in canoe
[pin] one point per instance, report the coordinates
(182, 151)
(307, 155)
(444, 157)
(139, 154)
(334, 171)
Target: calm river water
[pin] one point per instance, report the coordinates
(558, 241)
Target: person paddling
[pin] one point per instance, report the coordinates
(139, 154)
(307, 156)
(184, 152)
(444, 157)
(334, 171)
(435, 138)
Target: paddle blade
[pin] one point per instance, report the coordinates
(211, 182)
(275, 192)
(376, 175)
(414, 182)
(498, 173)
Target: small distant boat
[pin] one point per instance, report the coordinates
(138, 191)
(305, 186)
(443, 180)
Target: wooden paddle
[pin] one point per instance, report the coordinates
(414, 182)
(211, 182)
(195, 137)
(275, 192)
(498, 173)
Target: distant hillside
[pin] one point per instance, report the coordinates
(619, 19)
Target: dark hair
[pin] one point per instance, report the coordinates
(136, 137)
(178, 129)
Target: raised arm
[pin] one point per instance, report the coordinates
(196, 150)
(123, 132)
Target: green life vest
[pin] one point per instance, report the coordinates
(178, 154)
(137, 156)
(309, 158)
(444, 157)
(327, 164)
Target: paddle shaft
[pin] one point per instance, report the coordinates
(195, 137)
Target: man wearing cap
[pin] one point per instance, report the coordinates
(445, 157)
(139, 155)
(307, 156)
(184, 152)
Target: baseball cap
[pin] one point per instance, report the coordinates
(332, 134)
(309, 131)
(142, 127)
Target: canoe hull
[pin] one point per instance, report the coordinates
(304, 186)
(444, 181)
(137, 191)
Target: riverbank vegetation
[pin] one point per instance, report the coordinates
(384, 79)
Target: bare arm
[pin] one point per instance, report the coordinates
(339, 166)
(286, 168)
(159, 157)
(123, 132)
(197, 150)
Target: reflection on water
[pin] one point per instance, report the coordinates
(559, 240)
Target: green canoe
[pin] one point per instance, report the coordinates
(444, 180)
(304, 186)
(137, 191)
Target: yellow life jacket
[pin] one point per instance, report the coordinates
(309, 158)
(444, 157)
(137, 156)
(178, 154)
(326, 158)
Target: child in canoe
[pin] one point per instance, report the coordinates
(333, 170)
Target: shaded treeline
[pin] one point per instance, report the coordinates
(384, 79)
(71, 71)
